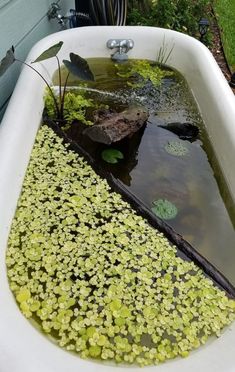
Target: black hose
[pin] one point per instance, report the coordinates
(108, 12)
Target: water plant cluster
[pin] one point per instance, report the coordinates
(65, 106)
(164, 209)
(95, 275)
(138, 72)
(75, 107)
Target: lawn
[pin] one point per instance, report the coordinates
(225, 12)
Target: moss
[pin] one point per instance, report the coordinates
(107, 285)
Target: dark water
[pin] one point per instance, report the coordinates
(192, 182)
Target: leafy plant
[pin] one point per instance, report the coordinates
(112, 156)
(76, 65)
(75, 106)
(179, 15)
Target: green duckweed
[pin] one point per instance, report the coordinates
(95, 276)
(138, 72)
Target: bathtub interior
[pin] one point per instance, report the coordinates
(22, 348)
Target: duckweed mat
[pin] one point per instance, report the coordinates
(95, 276)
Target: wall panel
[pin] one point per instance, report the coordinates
(22, 24)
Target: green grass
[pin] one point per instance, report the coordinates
(225, 11)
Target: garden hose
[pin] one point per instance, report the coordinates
(108, 12)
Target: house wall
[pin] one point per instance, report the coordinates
(22, 24)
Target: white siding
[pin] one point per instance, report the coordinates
(22, 24)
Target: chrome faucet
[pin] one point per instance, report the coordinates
(122, 45)
(72, 16)
(53, 14)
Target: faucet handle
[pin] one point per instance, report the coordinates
(52, 11)
(120, 43)
(130, 44)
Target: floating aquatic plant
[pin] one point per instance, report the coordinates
(95, 275)
(112, 156)
(75, 106)
(138, 72)
(164, 209)
(176, 148)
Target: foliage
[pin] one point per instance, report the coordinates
(77, 66)
(137, 17)
(142, 5)
(112, 156)
(224, 11)
(176, 148)
(179, 15)
(95, 275)
(138, 72)
(49, 53)
(164, 209)
(75, 106)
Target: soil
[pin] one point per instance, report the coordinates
(217, 50)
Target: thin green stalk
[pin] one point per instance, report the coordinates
(63, 97)
(48, 86)
(60, 82)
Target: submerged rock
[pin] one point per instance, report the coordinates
(111, 126)
(185, 131)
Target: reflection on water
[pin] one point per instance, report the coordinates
(151, 173)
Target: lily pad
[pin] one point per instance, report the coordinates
(176, 148)
(164, 209)
(112, 156)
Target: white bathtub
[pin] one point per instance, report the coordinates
(22, 347)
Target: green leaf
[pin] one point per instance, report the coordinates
(164, 209)
(7, 61)
(78, 66)
(49, 53)
(112, 156)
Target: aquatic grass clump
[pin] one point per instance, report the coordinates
(96, 276)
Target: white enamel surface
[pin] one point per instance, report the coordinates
(22, 347)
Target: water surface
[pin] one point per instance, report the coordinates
(193, 183)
